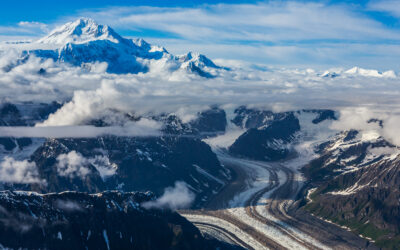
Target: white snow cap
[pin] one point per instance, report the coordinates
(80, 31)
(370, 72)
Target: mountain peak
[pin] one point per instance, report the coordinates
(85, 41)
(81, 30)
(198, 59)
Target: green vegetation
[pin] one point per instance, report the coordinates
(383, 238)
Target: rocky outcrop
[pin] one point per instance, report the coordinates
(109, 220)
(357, 185)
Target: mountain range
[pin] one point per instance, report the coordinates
(57, 189)
(83, 42)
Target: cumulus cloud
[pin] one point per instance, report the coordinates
(103, 165)
(173, 198)
(20, 172)
(90, 95)
(72, 165)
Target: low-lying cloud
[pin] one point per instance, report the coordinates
(19, 172)
(74, 164)
(371, 122)
(139, 129)
(173, 198)
(90, 95)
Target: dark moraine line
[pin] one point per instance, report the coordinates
(283, 191)
(224, 232)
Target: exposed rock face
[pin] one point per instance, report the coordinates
(358, 186)
(10, 116)
(133, 163)
(267, 143)
(207, 123)
(270, 136)
(109, 220)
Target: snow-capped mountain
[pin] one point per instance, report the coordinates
(355, 183)
(84, 42)
(81, 31)
(357, 71)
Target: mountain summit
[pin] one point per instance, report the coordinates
(82, 30)
(83, 42)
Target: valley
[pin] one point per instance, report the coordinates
(110, 142)
(258, 210)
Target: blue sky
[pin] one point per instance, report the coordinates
(277, 33)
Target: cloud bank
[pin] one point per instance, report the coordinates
(138, 129)
(94, 94)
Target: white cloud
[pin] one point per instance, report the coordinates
(34, 25)
(384, 151)
(103, 165)
(271, 21)
(21, 172)
(362, 119)
(24, 29)
(72, 165)
(389, 6)
(392, 129)
(143, 127)
(173, 198)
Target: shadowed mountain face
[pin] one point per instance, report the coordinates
(357, 185)
(133, 163)
(270, 136)
(268, 142)
(109, 220)
(124, 163)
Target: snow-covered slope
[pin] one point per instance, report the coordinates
(81, 31)
(357, 71)
(84, 42)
